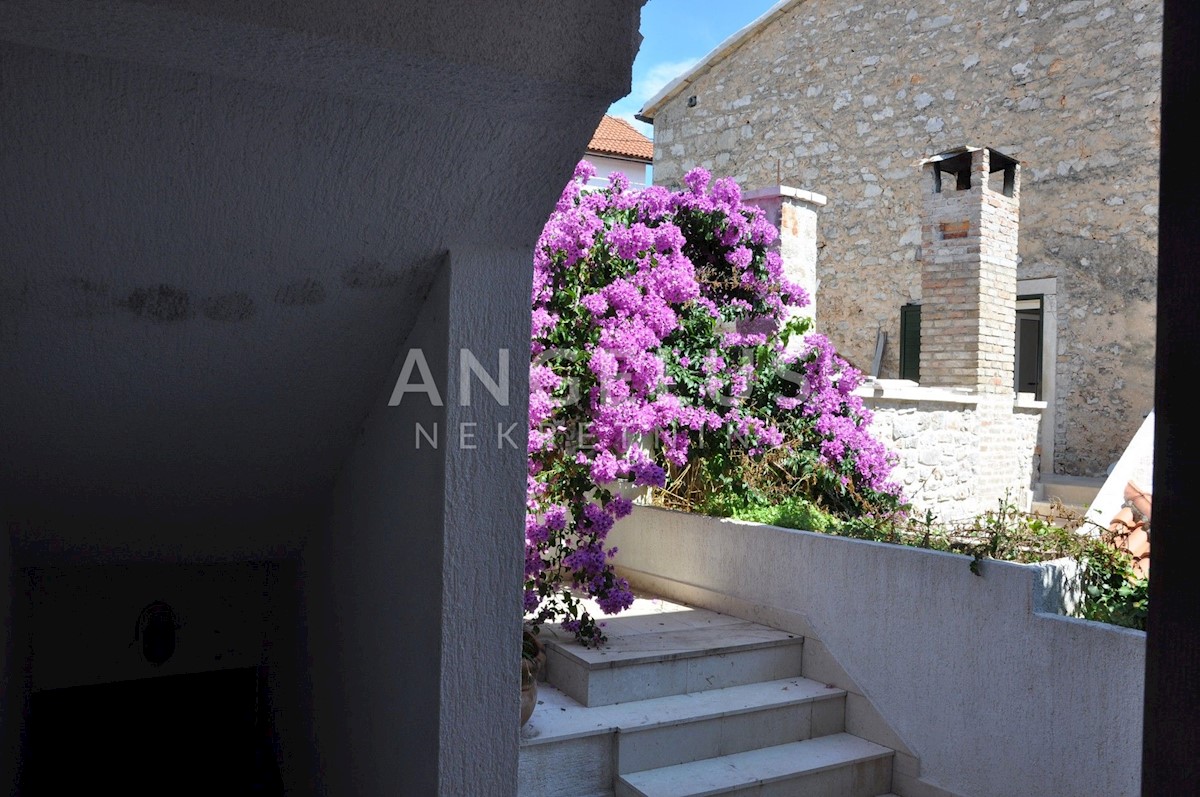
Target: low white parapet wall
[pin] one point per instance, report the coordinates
(991, 695)
(959, 453)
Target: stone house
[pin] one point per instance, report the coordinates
(849, 100)
(963, 439)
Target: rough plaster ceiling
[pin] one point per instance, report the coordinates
(209, 253)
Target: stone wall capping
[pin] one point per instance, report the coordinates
(907, 390)
(1026, 401)
(788, 191)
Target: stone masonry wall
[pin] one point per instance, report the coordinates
(958, 456)
(847, 100)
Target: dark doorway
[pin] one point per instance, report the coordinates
(204, 733)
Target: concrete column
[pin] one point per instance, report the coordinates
(793, 211)
(968, 271)
(484, 516)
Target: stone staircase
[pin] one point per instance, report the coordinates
(684, 702)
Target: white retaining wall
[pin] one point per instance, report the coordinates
(991, 697)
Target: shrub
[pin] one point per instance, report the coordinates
(660, 350)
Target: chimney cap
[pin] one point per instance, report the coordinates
(997, 160)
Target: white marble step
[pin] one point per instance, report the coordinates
(719, 722)
(667, 649)
(589, 746)
(837, 765)
(558, 717)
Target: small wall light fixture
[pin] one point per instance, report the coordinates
(156, 627)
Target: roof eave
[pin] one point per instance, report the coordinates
(725, 48)
(621, 156)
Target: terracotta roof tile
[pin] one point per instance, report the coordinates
(617, 137)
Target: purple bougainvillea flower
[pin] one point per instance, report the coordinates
(651, 311)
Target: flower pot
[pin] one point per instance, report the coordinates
(528, 691)
(638, 494)
(533, 660)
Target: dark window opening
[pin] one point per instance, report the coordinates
(1027, 370)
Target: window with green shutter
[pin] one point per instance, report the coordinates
(910, 342)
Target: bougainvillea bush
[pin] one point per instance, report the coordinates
(664, 347)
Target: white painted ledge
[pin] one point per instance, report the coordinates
(907, 390)
(772, 191)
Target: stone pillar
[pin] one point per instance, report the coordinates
(794, 213)
(969, 270)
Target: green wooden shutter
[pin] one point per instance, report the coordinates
(910, 342)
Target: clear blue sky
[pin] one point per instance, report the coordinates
(675, 35)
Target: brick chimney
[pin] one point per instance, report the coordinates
(969, 270)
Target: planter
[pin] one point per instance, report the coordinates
(528, 691)
(636, 493)
(533, 660)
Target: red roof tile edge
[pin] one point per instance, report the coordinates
(617, 137)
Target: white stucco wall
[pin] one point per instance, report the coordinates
(638, 173)
(218, 223)
(992, 697)
(412, 611)
(484, 515)
(223, 611)
(372, 591)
